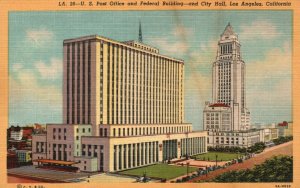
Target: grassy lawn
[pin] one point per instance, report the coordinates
(222, 156)
(159, 171)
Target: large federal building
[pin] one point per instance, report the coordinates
(227, 118)
(123, 107)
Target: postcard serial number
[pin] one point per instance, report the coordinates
(283, 186)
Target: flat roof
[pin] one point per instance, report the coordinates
(62, 124)
(55, 161)
(98, 37)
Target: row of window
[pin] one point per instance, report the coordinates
(76, 114)
(146, 48)
(92, 150)
(226, 48)
(192, 146)
(133, 155)
(226, 57)
(147, 78)
(227, 142)
(147, 131)
(78, 130)
(40, 147)
(59, 130)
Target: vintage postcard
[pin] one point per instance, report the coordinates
(149, 93)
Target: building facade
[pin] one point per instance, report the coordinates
(228, 75)
(285, 128)
(244, 139)
(16, 135)
(24, 156)
(123, 107)
(108, 83)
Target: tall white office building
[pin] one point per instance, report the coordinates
(228, 89)
(123, 108)
(227, 118)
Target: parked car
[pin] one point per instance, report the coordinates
(143, 179)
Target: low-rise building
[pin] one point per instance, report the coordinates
(24, 156)
(16, 135)
(12, 160)
(18, 144)
(245, 138)
(235, 138)
(270, 134)
(285, 128)
(118, 147)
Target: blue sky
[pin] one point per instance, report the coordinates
(35, 56)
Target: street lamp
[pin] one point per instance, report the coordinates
(187, 168)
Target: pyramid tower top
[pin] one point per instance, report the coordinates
(228, 33)
(228, 30)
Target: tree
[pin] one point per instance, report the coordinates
(276, 169)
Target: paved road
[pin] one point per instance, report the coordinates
(31, 172)
(282, 149)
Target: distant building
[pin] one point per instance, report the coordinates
(234, 138)
(24, 156)
(16, 135)
(217, 117)
(18, 144)
(12, 160)
(39, 128)
(27, 132)
(270, 134)
(285, 128)
(245, 138)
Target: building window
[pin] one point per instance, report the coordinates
(83, 130)
(105, 132)
(54, 130)
(77, 130)
(101, 132)
(65, 130)
(77, 137)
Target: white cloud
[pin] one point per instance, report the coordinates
(259, 29)
(178, 45)
(16, 67)
(39, 37)
(198, 70)
(182, 32)
(268, 84)
(25, 88)
(49, 71)
(275, 65)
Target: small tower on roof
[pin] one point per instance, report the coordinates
(140, 32)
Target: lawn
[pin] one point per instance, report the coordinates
(160, 171)
(222, 156)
